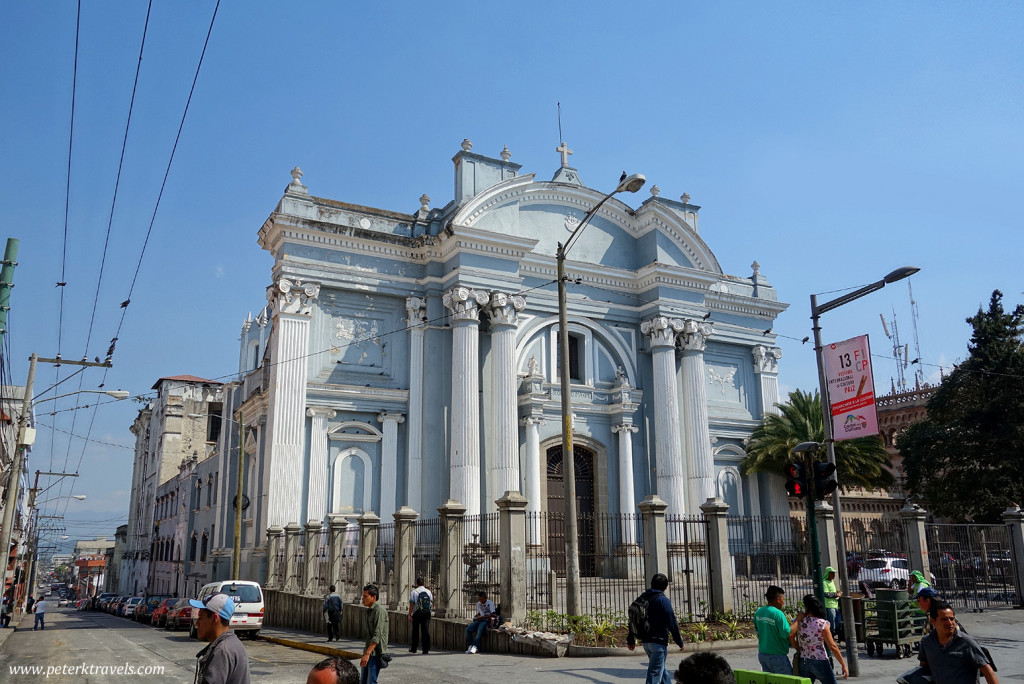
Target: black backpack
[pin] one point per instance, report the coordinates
(423, 603)
(639, 622)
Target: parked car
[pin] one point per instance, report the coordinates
(145, 610)
(891, 572)
(159, 616)
(62, 602)
(248, 598)
(102, 600)
(179, 616)
(115, 603)
(130, 606)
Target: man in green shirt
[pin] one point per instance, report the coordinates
(773, 633)
(835, 618)
(376, 636)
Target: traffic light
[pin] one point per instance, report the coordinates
(796, 482)
(824, 480)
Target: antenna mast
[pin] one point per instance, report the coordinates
(919, 371)
(899, 353)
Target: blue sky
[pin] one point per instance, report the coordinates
(831, 142)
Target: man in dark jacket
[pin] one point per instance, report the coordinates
(332, 612)
(661, 621)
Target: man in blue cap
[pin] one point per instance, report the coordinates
(224, 660)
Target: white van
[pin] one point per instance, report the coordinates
(248, 598)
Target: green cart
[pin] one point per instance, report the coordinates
(891, 619)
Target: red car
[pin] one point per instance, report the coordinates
(159, 616)
(180, 615)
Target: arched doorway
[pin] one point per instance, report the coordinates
(583, 460)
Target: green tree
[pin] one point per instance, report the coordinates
(965, 459)
(861, 462)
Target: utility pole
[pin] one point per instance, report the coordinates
(7, 282)
(236, 553)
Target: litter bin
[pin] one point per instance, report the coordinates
(858, 617)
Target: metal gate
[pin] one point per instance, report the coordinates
(972, 564)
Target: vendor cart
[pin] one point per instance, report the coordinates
(891, 619)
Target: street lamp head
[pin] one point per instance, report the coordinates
(632, 183)
(900, 274)
(80, 497)
(803, 447)
(118, 394)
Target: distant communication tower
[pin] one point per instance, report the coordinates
(919, 370)
(899, 353)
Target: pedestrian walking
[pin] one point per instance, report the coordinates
(5, 612)
(950, 656)
(332, 613)
(39, 608)
(652, 621)
(333, 670)
(224, 660)
(475, 629)
(812, 634)
(376, 648)
(832, 596)
(29, 602)
(705, 668)
(773, 633)
(421, 602)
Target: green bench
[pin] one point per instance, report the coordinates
(758, 677)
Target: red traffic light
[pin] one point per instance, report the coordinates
(796, 482)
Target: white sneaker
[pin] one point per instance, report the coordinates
(469, 650)
(472, 649)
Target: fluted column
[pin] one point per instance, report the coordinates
(415, 309)
(316, 501)
(696, 435)
(766, 368)
(464, 305)
(292, 306)
(668, 450)
(389, 463)
(627, 497)
(533, 474)
(503, 312)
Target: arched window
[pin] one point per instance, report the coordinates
(352, 481)
(202, 551)
(192, 548)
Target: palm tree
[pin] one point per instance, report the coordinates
(861, 462)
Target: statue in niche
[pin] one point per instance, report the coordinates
(621, 379)
(532, 367)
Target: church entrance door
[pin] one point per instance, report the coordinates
(584, 471)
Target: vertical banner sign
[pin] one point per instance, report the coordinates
(851, 389)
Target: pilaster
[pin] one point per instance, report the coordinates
(415, 309)
(696, 435)
(316, 501)
(389, 462)
(503, 313)
(627, 495)
(668, 450)
(533, 472)
(766, 368)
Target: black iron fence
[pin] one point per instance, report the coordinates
(765, 551)
(877, 552)
(427, 561)
(690, 579)
(972, 565)
(385, 562)
(481, 560)
(320, 549)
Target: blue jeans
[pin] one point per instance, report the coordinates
(656, 671)
(820, 670)
(475, 632)
(776, 664)
(369, 673)
(835, 620)
(39, 621)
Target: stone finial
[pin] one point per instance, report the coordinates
(757, 268)
(296, 187)
(505, 154)
(564, 150)
(296, 175)
(685, 198)
(655, 191)
(424, 202)
(466, 145)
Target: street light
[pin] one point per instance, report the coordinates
(816, 310)
(572, 559)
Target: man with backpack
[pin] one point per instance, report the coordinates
(651, 621)
(421, 604)
(332, 612)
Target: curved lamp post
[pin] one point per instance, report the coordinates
(572, 558)
(816, 310)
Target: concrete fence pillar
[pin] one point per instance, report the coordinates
(369, 524)
(1014, 519)
(405, 556)
(274, 568)
(913, 517)
(652, 512)
(719, 559)
(292, 573)
(310, 577)
(512, 523)
(336, 526)
(825, 515)
(449, 590)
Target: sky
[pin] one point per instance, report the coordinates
(830, 142)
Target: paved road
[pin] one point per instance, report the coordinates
(76, 638)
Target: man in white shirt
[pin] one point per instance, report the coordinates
(39, 608)
(421, 605)
(475, 629)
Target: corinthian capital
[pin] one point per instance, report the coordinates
(662, 330)
(503, 309)
(465, 303)
(766, 359)
(694, 335)
(293, 296)
(415, 309)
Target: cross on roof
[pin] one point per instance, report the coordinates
(564, 150)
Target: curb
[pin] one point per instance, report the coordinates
(691, 647)
(312, 648)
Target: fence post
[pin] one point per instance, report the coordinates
(719, 559)
(336, 525)
(825, 516)
(917, 544)
(291, 547)
(652, 511)
(368, 526)
(1014, 519)
(512, 536)
(405, 555)
(450, 576)
(274, 535)
(313, 528)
